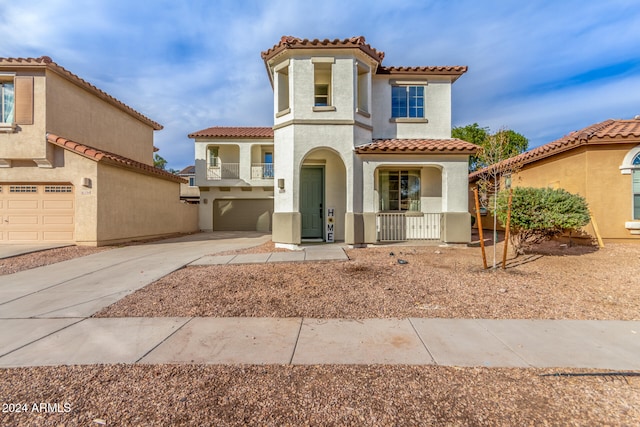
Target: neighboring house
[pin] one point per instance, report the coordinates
(358, 152)
(76, 165)
(189, 191)
(601, 163)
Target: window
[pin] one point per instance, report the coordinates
(636, 187)
(213, 157)
(58, 189)
(23, 189)
(363, 90)
(399, 190)
(282, 74)
(407, 101)
(268, 164)
(322, 90)
(7, 102)
(192, 181)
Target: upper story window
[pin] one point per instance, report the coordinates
(636, 186)
(7, 102)
(282, 76)
(407, 102)
(362, 102)
(192, 181)
(322, 84)
(212, 157)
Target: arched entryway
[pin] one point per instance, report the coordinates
(322, 196)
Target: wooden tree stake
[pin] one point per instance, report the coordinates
(506, 231)
(481, 236)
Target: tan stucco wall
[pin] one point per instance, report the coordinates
(28, 141)
(133, 205)
(593, 172)
(73, 113)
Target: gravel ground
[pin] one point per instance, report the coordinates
(572, 283)
(439, 282)
(51, 256)
(126, 395)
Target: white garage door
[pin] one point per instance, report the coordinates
(32, 213)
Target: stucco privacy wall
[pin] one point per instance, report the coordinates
(73, 114)
(133, 205)
(75, 169)
(594, 173)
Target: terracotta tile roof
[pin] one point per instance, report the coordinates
(110, 158)
(607, 132)
(411, 146)
(436, 70)
(47, 62)
(189, 170)
(290, 42)
(234, 132)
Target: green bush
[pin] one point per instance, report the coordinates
(538, 214)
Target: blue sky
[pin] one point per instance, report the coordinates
(541, 68)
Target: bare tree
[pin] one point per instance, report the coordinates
(503, 161)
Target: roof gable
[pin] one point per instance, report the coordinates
(47, 63)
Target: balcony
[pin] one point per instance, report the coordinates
(262, 171)
(220, 170)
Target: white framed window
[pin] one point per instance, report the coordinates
(282, 77)
(407, 101)
(212, 157)
(399, 190)
(322, 84)
(7, 102)
(362, 105)
(636, 186)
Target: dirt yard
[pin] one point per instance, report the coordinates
(574, 283)
(445, 282)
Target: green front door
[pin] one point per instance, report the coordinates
(311, 195)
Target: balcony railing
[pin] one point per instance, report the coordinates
(223, 171)
(262, 171)
(400, 226)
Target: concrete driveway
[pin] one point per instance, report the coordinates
(82, 286)
(8, 251)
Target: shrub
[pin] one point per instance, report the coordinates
(539, 214)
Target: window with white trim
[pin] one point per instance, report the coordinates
(322, 84)
(636, 186)
(7, 102)
(399, 190)
(283, 89)
(407, 101)
(212, 157)
(363, 89)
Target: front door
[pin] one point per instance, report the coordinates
(311, 195)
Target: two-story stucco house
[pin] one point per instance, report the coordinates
(76, 164)
(358, 152)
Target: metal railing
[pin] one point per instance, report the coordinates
(262, 171)
(401, 226)
(223, 171)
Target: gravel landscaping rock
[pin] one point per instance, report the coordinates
(446, 282)
(134, 395)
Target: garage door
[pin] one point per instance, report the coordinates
(36, 213)
(242, 214)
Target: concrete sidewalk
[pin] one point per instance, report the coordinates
(611, 345)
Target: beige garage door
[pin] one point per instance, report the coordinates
(242, 215)
(32, 213)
